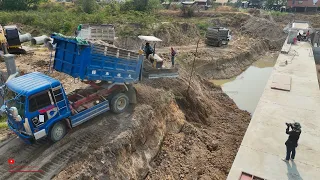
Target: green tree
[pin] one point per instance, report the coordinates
(87, 6)
(187, 11)
(153, 5)
(141, 5)
(269, 3)
(19, 4)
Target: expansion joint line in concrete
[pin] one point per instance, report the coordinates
(289, 106)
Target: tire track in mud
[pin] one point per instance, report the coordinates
(22, 154)
(59, 161)
(48, 158)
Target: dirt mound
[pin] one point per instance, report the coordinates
(231, 65)
(171, 34)
(255, 12)
(263, 28)
(228, 19)
(207, 144)
(177, 33)
(284, 19)
(126, 153)
(171, 132)
(226, 9)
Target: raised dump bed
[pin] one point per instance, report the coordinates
(96, 62)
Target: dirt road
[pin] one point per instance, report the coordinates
(48, 158)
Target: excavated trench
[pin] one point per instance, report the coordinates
(174, 132)
(169, 128)
(247, 88)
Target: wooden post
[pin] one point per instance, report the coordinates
(193, 63)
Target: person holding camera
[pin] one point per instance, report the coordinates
(292, 141)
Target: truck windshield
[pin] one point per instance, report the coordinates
(12, 99)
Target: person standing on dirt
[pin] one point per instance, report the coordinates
(148, 50)
(173, 54)
(292, 142)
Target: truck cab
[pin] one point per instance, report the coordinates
(34, 103)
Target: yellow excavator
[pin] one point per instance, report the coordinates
(10, 40)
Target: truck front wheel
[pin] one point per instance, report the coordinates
(119, 103)
(58, 131)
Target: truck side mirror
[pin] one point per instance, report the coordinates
(3, 109)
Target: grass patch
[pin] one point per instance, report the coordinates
(278, 13)
(3, 125)
(65, 20)
(203, 27)
(3, 118)
(3, 122)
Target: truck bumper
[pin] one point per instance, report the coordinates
(27, 139)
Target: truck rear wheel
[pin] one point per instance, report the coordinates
(119, 103)
(58, 131)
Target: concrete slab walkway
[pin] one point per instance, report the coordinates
(263, 145)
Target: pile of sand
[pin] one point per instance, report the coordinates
(262, 28)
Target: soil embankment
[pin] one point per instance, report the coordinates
(255, 37)
(174, 132)
(171, 133)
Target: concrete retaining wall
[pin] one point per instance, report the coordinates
(316, 53)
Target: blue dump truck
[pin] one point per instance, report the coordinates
(37, 105)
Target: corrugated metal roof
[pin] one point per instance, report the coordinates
(149, 38)
(32, 83)
(188, 2)
(201, 1)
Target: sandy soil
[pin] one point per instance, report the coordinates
(174, 132)
(38, 59)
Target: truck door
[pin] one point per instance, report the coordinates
(41, 108)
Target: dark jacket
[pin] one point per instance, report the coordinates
(294, 136)
(148, 50)
(173, 52)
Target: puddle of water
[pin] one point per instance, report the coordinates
(247, 88)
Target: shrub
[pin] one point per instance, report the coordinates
(187, 11)
(278, 13)
(87, 6)
(64, 20)
(19, 4)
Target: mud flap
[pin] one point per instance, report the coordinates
(132, 94)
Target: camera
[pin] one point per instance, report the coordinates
(289, 124)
